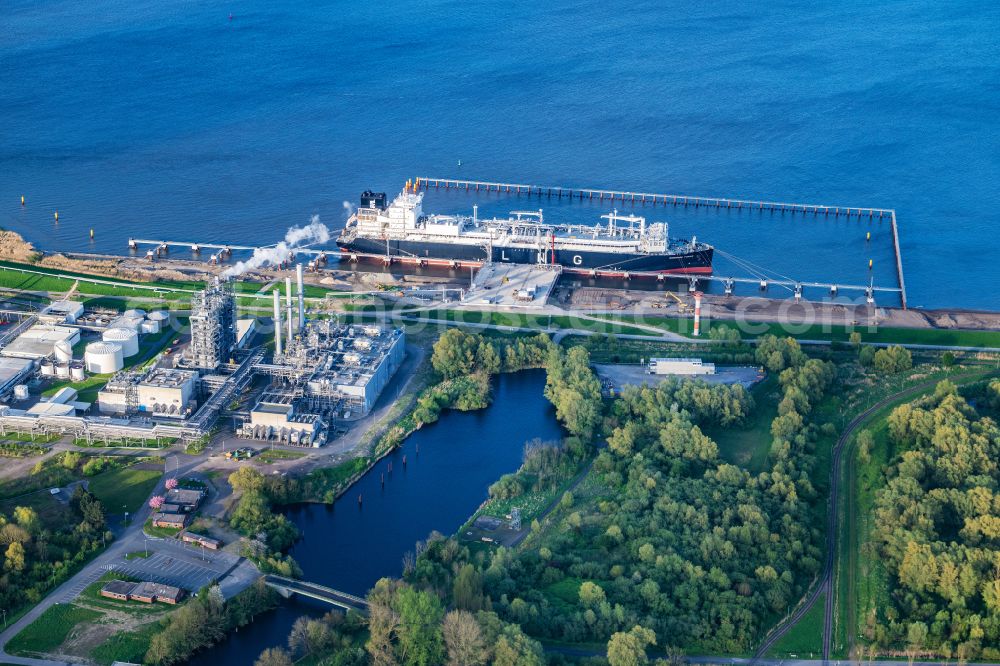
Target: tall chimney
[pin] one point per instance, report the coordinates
(277, 322)
(302, 297)
(288, 306)
(697, 313)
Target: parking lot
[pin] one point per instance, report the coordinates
(175, 564)
(615, 376)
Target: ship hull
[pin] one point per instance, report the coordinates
(696, 262)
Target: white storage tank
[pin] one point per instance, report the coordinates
(127, 338)
(63, 351)
(134, 314)
(76, 372)
(62, 370)
(103, 358)
(160, 316)
(48, 368)
(149, 326)
(20, 392)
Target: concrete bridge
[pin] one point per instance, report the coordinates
(286, 587)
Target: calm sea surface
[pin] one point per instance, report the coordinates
(170, 119)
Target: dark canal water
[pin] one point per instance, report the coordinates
(350, 548)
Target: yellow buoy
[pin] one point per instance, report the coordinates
(91, 233)
(22, 199)
(868, 236)
(57, 216)
(870, 264)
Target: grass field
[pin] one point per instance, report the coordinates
(128, 647)
(160, 532)
(926, 336)
(124, 489)
(275, 455)
(750, 445)
(805, 639)
(50, 630)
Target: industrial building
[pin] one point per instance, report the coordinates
(680, 366)
(213, 326)
(162, 392)
(39, 341)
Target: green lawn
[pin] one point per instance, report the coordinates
(137, 555)
(124, 489)
(927, 336)
(805, 639)
(50, 630)
(750, 445)
(126, 646)
(274, 455)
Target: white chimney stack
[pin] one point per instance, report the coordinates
(697, 313)
(288, 306)
(302, 297)
(277, 322)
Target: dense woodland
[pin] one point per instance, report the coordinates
(937, 526)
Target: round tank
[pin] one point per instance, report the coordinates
(48, 368)
(135, 314)
(63, 351)
(150, 326)
(127, 338)
(76, 372)
(62, 370)
(158, 315)
(103, 357)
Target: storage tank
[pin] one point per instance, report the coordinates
(63, 351)
(103, 357)
(47, 367)
(62, 370)
(20, 392)
(158, 315)
(149, 326)
(76, 372)
(135, 314)
(127, 338)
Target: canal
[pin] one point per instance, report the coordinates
(449, 466)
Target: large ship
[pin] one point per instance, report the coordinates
(401, 231)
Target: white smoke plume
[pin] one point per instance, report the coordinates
(314, 232)
(348, 209)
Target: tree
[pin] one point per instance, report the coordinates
(14, 559)
(247, 479)
(27, 518)
(170, 484)
(463, 639)
(274, 657)
(855, 339)
(156, 501)
(420, 640)
(629, 649)
(866, 357)
(467, 590)
(591, 594)
(948, 359)
(894, 359)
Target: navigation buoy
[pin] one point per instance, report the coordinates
(870, 262)
(868, 236)
(57, 216)
(383, 478)
(22, 199)
(91, 233)
(404, 461)
(359, 500)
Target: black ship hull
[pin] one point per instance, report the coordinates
(695, 262)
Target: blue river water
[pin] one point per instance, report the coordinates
(231, 121)
(449, 466)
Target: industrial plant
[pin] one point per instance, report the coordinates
(155, 381)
